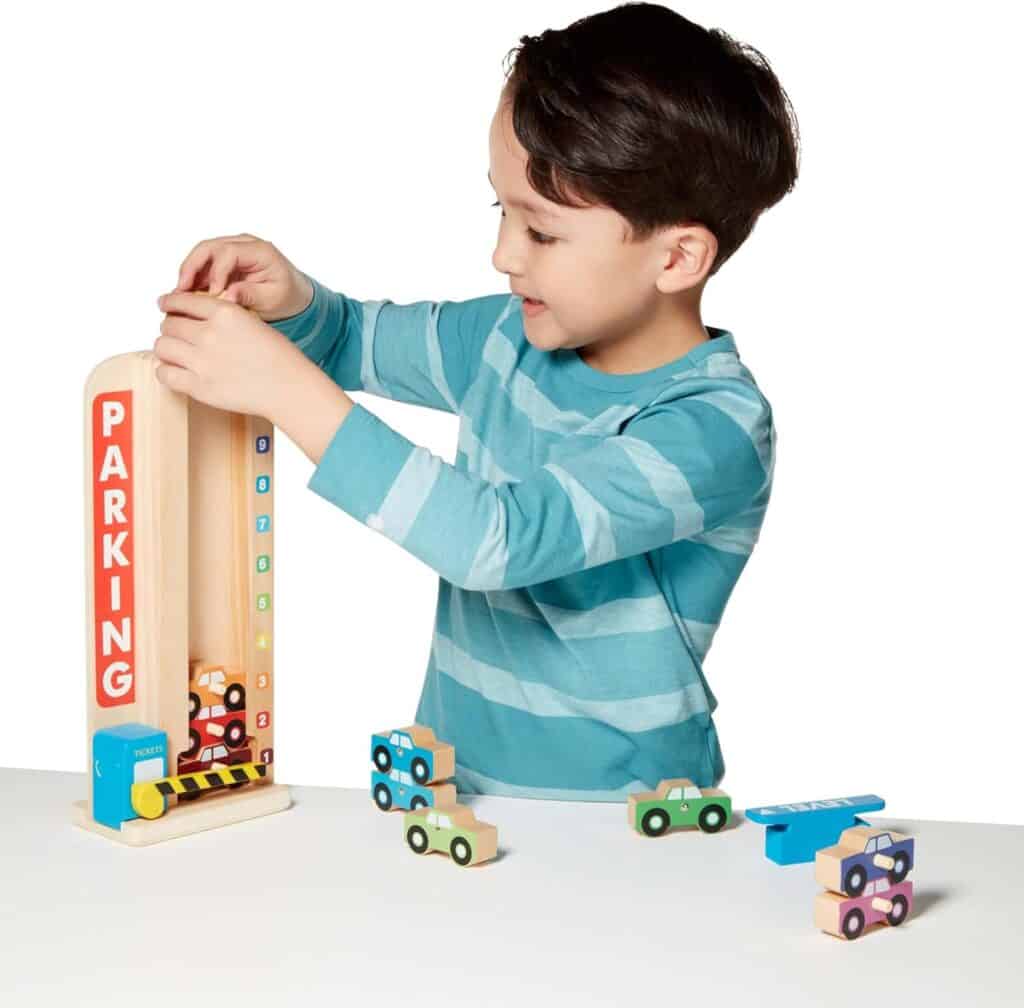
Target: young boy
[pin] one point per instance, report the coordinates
(615, 457)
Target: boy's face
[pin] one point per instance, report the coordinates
(595, 286)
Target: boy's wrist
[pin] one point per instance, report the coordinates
(308, 406)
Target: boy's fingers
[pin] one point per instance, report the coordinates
(190, 303)
(172, 350)
(175, 378)
(200, 255)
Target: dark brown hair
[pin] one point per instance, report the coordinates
(638, 109)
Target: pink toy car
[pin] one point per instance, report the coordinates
(849, 916)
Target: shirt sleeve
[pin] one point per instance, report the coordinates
(426, 352)
(678, 470)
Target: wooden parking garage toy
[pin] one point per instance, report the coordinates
(178, 513)
(796, 832)
(866, 878)
(678, 802)
(454, 831)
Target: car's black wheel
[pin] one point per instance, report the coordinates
(898, 914)
(234, 697)
(382, 758)
(416, 838)
(417, 803)
(654, 822)
(382, 796)
(712, 818)
(194, 704)
(194, 741)
(855, 881)
(461, 851)
(900, 868)
(853, 924)
(234, 733)
(419, 770)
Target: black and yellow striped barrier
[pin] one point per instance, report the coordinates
(148, 796)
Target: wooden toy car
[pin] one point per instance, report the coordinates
(862, 855)
(214, 757)
(398, 790)
(452, 830)
(678, 802)
(212, 684)
(414, 749)
(848, 917)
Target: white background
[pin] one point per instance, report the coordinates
(872, 643)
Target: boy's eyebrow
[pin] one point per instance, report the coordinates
(527, 205)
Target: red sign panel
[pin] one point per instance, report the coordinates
(113, 547)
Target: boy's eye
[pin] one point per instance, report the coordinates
(540, 239)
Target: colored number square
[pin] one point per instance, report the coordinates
(262, 563)
(263, 641)
(262, 484)
(267, 756)
(263, 444)
(263, 681)
(263, 719)
(263, 523)
(263, 601)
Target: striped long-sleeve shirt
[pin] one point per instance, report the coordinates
(587, 537)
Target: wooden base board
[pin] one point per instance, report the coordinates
(190, 817)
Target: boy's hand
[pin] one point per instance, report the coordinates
(249, 271)
(223, 355)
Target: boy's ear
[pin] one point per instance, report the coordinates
(690, 251)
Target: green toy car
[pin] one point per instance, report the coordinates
(452, 830)
(678, 802)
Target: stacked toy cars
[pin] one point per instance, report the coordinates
(410, 767)
(865, 875)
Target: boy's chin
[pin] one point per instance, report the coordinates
(541, 334)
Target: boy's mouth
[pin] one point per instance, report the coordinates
(532, 307)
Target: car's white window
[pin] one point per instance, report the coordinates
(216, 677)
(431, 819)
(396, 776)
(445, 822)
(395, 740)
(204, 713)
(691, 792)
(204, 679)
(404, 741)
(883, 841)
(869, 847)
(404, 776)
(206, 754)
(219, 752)
(674, 794)
(218, 711)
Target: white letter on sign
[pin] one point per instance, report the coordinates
(117, 679)
(113, 413)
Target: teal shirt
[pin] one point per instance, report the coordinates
(587, 537)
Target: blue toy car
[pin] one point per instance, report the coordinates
(398, 790)
(413, 749)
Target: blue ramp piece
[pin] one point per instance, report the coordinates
(796, 832)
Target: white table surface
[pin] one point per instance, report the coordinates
(325, 899)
